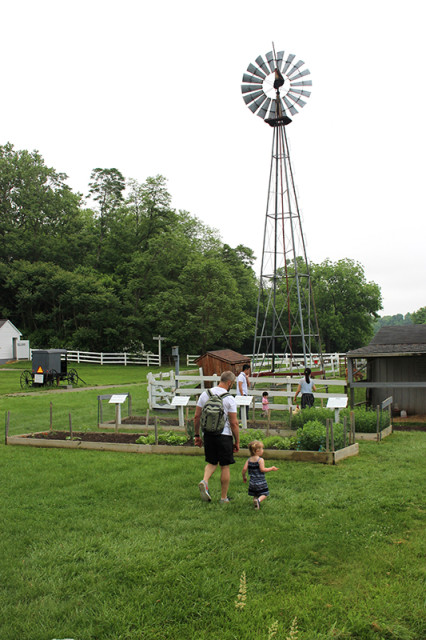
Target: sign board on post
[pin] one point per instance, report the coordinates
(244, 401)
(337, 404)
(180, 402)
(118, 400)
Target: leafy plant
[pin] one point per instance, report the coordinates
(366, 419)
(281, 443)
(169, 437)
(248, 435)
(313, 436)
(312, 413)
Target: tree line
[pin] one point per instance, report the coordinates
(110, 276)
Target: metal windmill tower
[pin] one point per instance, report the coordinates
(285, 319)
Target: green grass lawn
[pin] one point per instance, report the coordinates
(115, 546)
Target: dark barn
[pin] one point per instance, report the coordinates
(396, 366)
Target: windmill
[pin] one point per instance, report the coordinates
(274, 87)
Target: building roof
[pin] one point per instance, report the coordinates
(3, 322)
(403, 340)
(227, 355)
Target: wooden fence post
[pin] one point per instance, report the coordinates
(6, 427)
(332, 435)
(378, 423)
(327, 427)
(156, 429)
(345, 421)
(51, 416)
(70, 423)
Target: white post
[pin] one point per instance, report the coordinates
(159, 338)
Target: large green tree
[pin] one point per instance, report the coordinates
(40, 217)
(346, 304)
(419, 316)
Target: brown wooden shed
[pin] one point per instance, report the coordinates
(223, 360)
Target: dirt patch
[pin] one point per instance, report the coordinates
(410, 423)
(93, 436)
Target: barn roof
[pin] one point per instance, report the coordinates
(227, 355)
(391, 341)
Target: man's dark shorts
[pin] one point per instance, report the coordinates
(219, 449)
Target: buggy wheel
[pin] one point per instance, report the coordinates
(52, 378)
(26, 379)
(72, 376)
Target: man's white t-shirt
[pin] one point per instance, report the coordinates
(242, 378)
(229, 406)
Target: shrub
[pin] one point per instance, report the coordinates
(312, 413)
(365, 419)
(313, 436)
(247, 435)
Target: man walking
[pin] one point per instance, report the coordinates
(218, 449)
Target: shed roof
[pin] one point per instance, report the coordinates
(227, 355)
(393, 341)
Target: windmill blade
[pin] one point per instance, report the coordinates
(271, 60)
(288, 62)
(262, 64)
(296, 99)
(301, 92)
(254, 106)
(294, 68)
(305, 72)
(263, 110)
(280, 57)
(289, 106)
(273, 110)
(304, 83)
(251, 79)
(257, 72)
(248, 88)
(253, 96)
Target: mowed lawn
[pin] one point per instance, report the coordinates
(114, 546)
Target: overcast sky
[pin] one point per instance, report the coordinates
(154, 88)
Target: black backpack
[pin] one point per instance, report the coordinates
(213, 414)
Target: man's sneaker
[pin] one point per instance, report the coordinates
(224, 500)
(204, 491)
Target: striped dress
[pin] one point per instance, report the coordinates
(257, 485)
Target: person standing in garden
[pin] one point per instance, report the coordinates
(218, 447)
(307, 387)
(255, 467)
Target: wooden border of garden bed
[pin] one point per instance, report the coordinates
(375, 437)
(324, 457)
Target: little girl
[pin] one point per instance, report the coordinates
(255, 466)
(265, 404)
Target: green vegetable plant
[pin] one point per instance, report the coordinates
(313, 436)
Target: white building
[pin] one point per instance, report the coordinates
(11, 345)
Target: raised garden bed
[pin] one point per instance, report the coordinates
(125, 442)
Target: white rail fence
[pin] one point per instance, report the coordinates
(162, 387)
(286, 362)
(147, 358)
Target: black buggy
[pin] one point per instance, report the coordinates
(49, 367)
